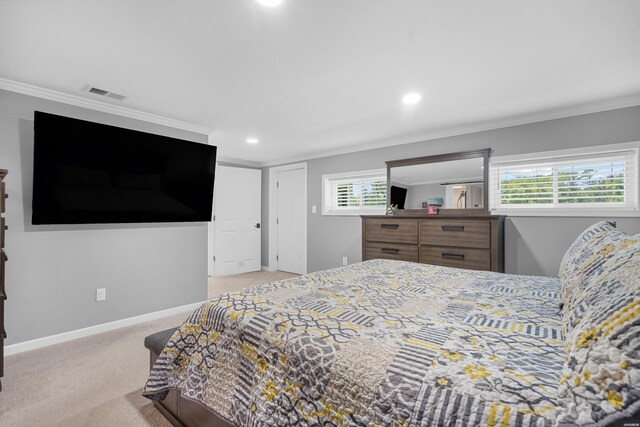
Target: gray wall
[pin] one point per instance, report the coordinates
(534, 245)
(416, 194)
(53, 271)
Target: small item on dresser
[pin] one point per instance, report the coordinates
(391, 209)
(433, 204)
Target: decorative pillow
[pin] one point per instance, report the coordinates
(585, 255)
(600, 382)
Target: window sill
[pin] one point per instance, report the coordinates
(355, 213)
(608, 213)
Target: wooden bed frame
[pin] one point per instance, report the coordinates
(184, 412)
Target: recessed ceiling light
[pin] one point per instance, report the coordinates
(252, 140)
(411, 98)
(269, 3)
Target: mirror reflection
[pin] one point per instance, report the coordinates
(455, 184)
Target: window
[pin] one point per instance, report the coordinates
(355, 193)
(568, 183)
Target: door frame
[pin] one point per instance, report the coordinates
(273, 212)
(211, 225)
(211, 244)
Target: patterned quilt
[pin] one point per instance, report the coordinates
(380, 343)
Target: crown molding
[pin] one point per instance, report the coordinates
(231, 161)
(99, 105)
(543, 116)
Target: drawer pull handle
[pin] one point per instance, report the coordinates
(448, 255)
(389, 250)
(453, 228)
(393, 226)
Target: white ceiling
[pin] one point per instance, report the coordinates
(319, 76)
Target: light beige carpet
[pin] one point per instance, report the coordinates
(97, 380)
(220, 285)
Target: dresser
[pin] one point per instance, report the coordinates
(3, 260)
(471, 242)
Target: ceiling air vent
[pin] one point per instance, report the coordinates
(102, 92)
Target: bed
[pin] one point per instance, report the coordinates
(401, 344)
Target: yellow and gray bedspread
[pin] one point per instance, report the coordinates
(377, 343)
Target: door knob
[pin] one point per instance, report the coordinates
(257, 225)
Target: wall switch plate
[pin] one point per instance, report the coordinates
(314, 209)
(344, 260)
(101, 294)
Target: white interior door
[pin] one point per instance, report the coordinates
(291, 221)
(237, 213)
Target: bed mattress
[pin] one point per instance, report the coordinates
(376, 343)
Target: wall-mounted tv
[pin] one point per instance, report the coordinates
(90, 173)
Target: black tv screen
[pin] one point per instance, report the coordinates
(398, 196)
(90, 173)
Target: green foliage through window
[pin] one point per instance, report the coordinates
(597, 182)
(361, 194)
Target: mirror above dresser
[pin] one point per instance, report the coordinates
(451, 183)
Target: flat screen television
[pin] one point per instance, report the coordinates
(398, 196)
(90, 173)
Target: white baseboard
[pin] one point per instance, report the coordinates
(267, 268)
(92, 330)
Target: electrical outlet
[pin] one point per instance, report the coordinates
(101, 294)
(344, 260)
(314, 209)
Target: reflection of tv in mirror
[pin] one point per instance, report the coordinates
(398, 196)
(456, 184)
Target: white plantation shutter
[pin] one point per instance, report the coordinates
(355, 193)
(597, 181)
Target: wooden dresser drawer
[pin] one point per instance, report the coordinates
(473, 259)
(2, 260)
(397, 251)
(2, 194)
(472, 242)
(391, 230)
(459, 233)
(1, 339)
